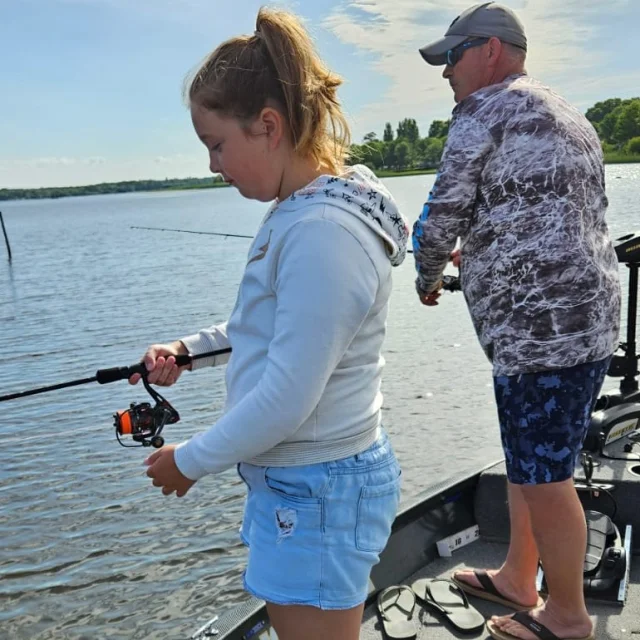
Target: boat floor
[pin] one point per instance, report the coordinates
(611, 621)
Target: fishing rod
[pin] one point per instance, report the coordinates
(141, 421)
(105, 376)
(202, 233)
(206, 233)
(449, 283)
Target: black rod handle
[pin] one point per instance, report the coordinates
(104, 376)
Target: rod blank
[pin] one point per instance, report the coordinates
(105, 376)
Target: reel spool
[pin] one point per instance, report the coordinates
(142, 422)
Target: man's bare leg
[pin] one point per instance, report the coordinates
(560, 531)
(516, 578)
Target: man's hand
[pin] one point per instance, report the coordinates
(431, 299)
(165, 473)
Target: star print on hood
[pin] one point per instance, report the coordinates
(359, 192)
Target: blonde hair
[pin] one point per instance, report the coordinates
(279, 67)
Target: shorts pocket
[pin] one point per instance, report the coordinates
(302, 485)
(377, 508)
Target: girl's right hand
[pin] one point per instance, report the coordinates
(160, 361)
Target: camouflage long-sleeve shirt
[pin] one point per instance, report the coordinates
(521, 183)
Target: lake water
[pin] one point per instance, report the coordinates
(89, 548)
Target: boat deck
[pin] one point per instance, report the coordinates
(481, 499)
(611, 622)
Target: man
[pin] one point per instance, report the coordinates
(521, 183)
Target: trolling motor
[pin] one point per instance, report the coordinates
(617, 414)
(607, 562)
(143, 422)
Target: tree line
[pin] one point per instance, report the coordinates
(127, 186)
(403, 149)
(616, 120)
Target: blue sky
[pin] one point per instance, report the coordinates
(91, 89)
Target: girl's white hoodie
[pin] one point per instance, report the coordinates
(303, 378)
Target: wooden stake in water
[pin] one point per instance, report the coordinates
(6, 238)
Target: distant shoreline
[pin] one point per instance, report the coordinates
(146, 186)
(131, 186)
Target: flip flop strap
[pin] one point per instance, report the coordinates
(487, 583)
(523, 618)
(383, 608)
(454, 587)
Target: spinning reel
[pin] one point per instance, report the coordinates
(144, 423)
(451, 283)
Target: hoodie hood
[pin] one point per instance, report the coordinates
(359, 192)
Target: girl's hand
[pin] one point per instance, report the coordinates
(165, 473)
(160, 361)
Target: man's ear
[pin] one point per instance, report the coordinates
(494, 49)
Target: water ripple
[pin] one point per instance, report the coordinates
(89, 548)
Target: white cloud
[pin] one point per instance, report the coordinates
(563, 51)
(50, 161)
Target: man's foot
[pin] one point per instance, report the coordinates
(563, 628)
(523, 595)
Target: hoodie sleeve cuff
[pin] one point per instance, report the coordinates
(202, 342)
(425, 287)
(183, 457)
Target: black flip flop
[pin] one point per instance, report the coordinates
(449, 599)
(396, 605)
(538, 629)
(488, 591)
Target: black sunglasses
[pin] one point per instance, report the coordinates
(453, 56)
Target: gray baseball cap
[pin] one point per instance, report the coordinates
(480, 21)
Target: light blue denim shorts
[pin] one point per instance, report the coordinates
(314, 532)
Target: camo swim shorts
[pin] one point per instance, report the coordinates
(544, 418)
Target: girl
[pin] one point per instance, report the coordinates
(302, 416)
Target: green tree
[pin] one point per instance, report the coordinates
(370, 153)
(633, 146)
(371, 136)
(429, 151)
(390, 160)
(403, 153)
(408, 130)
(606, 127)
(600, 110)
(439, 129)
(387, 136)
(628, 122)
